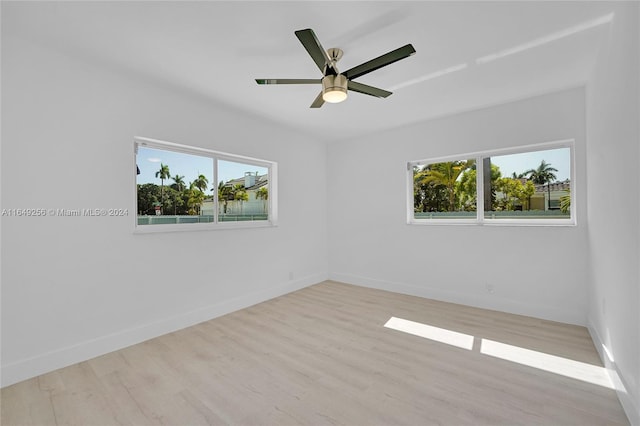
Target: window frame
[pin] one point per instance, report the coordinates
(215, 156)
(480, 212)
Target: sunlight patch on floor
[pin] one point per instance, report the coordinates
(551, 363)
(441, 335)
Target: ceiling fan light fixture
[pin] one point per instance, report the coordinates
(334, 88)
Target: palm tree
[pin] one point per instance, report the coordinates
(235, 193)
(201, 183)
(565, 201)
(263, 194)
(240, 195)
(446, 174)
(178, 184)
(163, 174)
(224, 193)
(196, 196)
(543, 174)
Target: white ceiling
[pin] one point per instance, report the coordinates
(217, 49)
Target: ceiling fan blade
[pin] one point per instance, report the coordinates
(380, 61)
(288, 81)
(318, 102)
(367, 90)
(310, 42)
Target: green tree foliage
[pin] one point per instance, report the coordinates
(178, 183)
(466, 187)
(452, 186)
(148, 196)
(263, 194)
(201, 183)
(175, 201)
(433, 181)
(195, 198)
(543, 174)
(527, 191)
(195, 195)
(466, 190)
(240, 194)
(514, 190)
(225, 194)
(427, 197)
(565, 202)
(163, 174)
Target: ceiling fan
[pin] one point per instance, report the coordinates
(334, 83)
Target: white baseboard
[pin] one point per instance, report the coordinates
(43, 363)
(629, 404)
(492, 302)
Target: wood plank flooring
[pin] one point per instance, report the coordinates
(322, 356)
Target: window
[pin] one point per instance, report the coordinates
(527, 186)
(185, 188)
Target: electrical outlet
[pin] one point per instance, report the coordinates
(490, 288)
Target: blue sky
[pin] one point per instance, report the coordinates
(519, 163)
(187, 165)
(190, 166)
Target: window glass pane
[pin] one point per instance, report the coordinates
(529, 185)
(173, 187)
(243, 192)
(445, 190)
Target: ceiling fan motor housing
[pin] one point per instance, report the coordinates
(334, 88)
(335, 54)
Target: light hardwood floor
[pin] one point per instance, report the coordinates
(319, 356)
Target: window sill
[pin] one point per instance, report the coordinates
(199, 227)
(494, 222)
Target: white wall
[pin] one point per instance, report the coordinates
(537, 271)
(75, 287)
(613, 155)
